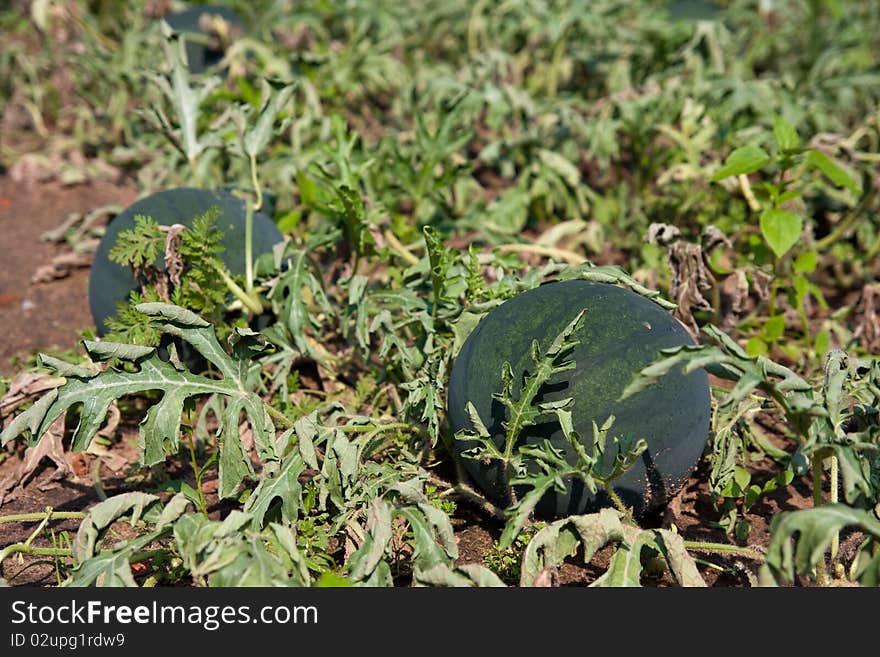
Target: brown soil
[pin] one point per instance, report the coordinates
(42, 316)
(50, 316)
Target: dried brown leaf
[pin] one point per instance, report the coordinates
(26, 386)
(712, 238)
(736, 301)
(173, 259)
(867, 318)
(761, 284)
(547, 578)
(112, 422)
(158, 280)
(51, 447)
(662, 234)
(61, 267)
(691, 279)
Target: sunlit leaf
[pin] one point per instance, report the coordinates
(743, 160)
(781, 228)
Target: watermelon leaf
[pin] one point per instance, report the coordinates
(560, 539)
(274, 96)
(523, 412)
(142, 370)
(433, 542)
(111, 567)
(186, 101)
(289, 302)
(799, 540)
(229, 553)
(466, 575)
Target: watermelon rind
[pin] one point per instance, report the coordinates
(111, 284)
(622, 333)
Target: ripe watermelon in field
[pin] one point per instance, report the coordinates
(111, 284)
(201, 56)
(622, 332)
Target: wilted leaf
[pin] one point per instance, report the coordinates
(681, 564)
(560, 539)
(800, 539)
(110, 565)
(185, 99)
(50, 447)
(283, 486)
(274, 96)
(691, 280)
(366, 560)
(467, 575)
(625, 568)
(226, 554)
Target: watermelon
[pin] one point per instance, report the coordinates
(111, 283)
(622, 333)
(200, 56)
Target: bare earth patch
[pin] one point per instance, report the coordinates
(42, 316)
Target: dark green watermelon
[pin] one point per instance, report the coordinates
(200, 57)
(622, 332)
(111, 284)
(692, 10)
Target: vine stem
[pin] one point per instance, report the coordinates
(399, 248)
(388, 426)
(566, 255)
(570, 257)
(852, 219)
(833, 476)
(44, 518)
(287, 423)
(253, 305)
(256, 183)
(747, 192)
(281, 418)
(250, 208)
(249, 248)
(618, 503)
(54, 515)
(723, 548)
(479, 500)
(817, 502)
(27, 549)
(464, 490)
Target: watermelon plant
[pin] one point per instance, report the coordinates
(145, 256)
(370, 316)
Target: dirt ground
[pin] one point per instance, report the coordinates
(50, 316)
(42, 316)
